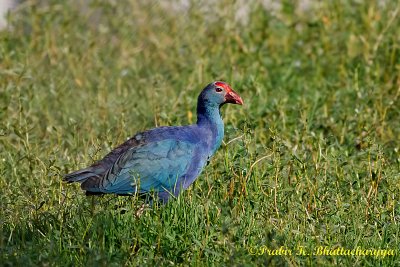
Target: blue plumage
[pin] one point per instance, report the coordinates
(164, 160)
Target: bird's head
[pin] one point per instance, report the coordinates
(220, 93)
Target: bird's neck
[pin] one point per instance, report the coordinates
(208, 115)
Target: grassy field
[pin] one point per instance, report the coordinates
(310, 161)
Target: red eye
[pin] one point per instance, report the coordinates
(218, 89)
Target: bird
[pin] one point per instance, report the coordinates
(162, 161)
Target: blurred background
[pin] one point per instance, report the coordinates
(124, 51)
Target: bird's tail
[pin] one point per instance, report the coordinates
(90, 179)
(80, 175)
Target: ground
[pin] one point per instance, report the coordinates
(310, 165)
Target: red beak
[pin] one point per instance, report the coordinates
(233, 97)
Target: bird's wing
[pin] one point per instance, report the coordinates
(152, 166)
(99, 168)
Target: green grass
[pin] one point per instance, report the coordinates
(314, 158)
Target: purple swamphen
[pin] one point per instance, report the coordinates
(162, 160)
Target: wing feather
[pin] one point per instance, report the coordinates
(152, 166)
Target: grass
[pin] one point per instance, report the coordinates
(312, 158)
